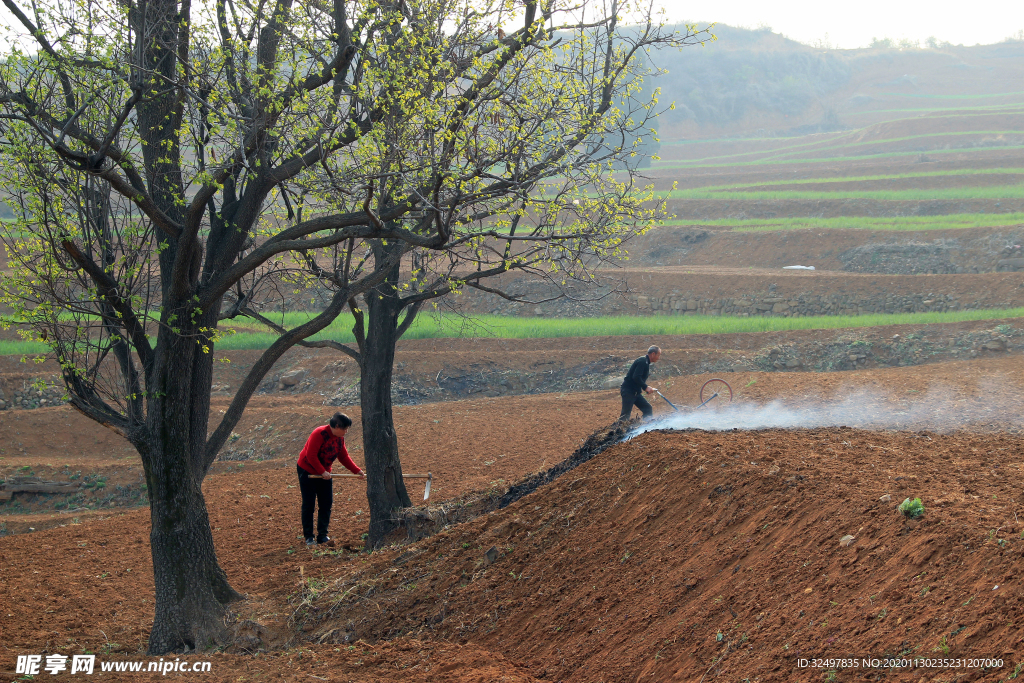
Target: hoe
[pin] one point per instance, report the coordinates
(426, 490)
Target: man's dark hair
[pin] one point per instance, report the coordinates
(653, 349)
(341, 421)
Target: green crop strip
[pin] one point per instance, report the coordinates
(838, 135)
(20, 348)
(955, 113)
(832, 160)
(501, 327)
(489, 326)
(1006, 108)
(866, 178)
(854, 179)
(493, 326)
(775, 156)
(886, 141)
(951, 193)
(958, 97)
(958, 221)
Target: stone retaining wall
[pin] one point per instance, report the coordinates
(28, 395)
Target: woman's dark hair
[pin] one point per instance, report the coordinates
(341, 421)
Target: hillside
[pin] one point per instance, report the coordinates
(755, 83)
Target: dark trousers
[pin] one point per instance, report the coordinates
(634, 398)
(315, 491)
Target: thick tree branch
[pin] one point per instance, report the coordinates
(358, 326)
(280, 329)
(277, 349)
(410, 317)
(108, 288)
(261, 368)
(341, 226)
(85, 400)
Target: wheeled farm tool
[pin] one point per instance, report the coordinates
(714, 392)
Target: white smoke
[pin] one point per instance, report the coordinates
(940, 409)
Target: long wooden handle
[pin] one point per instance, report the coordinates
(428, 475)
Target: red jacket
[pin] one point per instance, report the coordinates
(322, 449)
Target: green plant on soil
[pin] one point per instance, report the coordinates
(912, 508)
(94, 481)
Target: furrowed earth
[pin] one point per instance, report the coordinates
(664, 557)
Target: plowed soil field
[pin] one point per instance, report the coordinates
(676, 555)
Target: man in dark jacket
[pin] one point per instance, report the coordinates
(635, 385)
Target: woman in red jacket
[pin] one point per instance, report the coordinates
(325, 445)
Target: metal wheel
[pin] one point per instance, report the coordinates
(715, 392)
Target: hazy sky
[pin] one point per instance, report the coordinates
(852, 23)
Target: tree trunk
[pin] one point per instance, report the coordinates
(385, 488)
(191, 588)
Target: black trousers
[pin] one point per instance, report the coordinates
(634, 398)
(315, 491)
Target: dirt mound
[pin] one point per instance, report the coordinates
(720, 552)
(421, 522)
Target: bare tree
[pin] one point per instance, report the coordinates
(170, 162)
